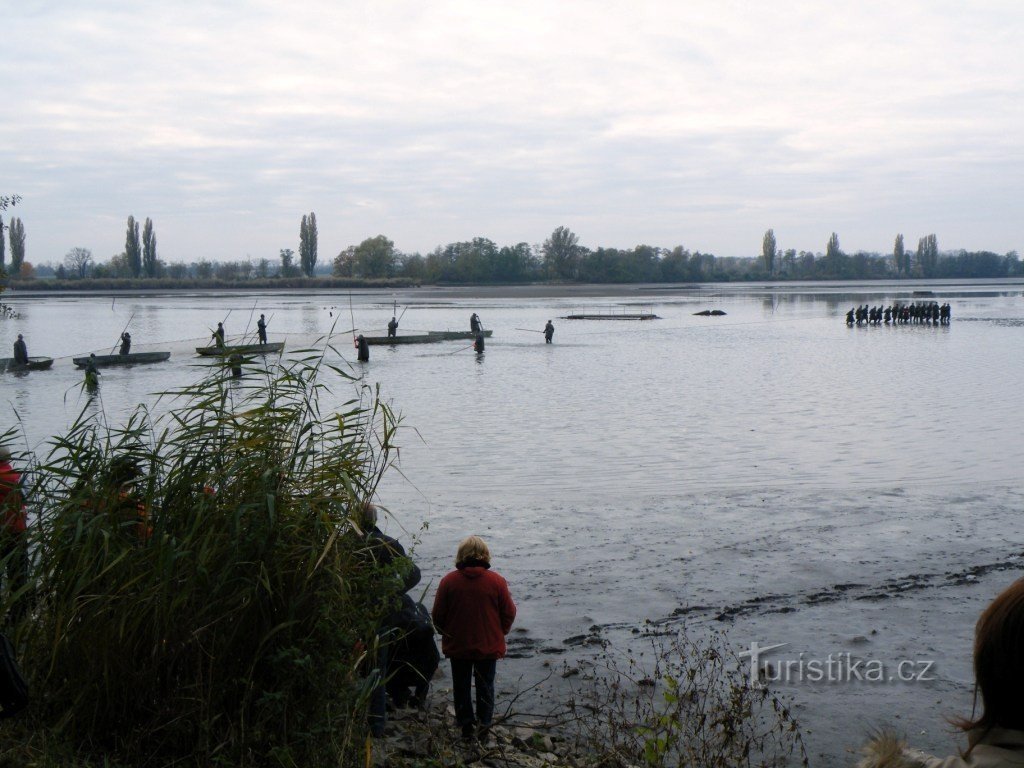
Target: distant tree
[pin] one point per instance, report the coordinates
(311, 245)
(77, 261)
(768, 251)
(26, 271)
(345, 263)
(62, 273)
(899, 255)
(132, 248)
(177, 271)
(149, 262)
(375, 257)
(308, 244)
(263, 268)
(562, 254)
(833, 256)
(3, 244)
(16, 231)
(288, 268)
(203, 270)
(928, 255)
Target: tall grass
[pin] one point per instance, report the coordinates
(200, 593)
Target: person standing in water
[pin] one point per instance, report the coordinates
(478, 345)
(549, 332)
(92, 373)
(392, 328)
(364, 349)
(126, 343)
(261, 329)
(20, 351)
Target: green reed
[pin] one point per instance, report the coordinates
(198, 593)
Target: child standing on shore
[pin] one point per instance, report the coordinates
(473, 611)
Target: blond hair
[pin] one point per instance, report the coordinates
(473, 548)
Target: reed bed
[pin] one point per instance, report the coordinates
(199, 593)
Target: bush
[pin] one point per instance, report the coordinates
(691, 703)
(201, 594)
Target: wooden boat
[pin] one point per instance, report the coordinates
(613, 316)
(430, 337)
(132, 358)
(242, 349)
(449, 335)
(33, 364)
(409, 338)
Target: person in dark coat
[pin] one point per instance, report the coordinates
(20, 351)
(392, 328)
(549, 332)
(412, 656)
(364, 349)
(261, 329)
(474, 323)
(126, 343)
(92, 373)
(478, 344)
(473, 611)
(387, 557)
(218, 336)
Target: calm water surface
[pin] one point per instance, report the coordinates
(739, 466)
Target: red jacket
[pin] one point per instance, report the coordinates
(474, 611)
(10, 500)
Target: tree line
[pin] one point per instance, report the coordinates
(560, 258)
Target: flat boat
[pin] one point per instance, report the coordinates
(242, 349)
(33, 364)
(132, 358)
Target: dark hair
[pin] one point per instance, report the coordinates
(999, 664)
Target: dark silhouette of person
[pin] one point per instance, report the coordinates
(474, 323)
(261, 329)
(849, 317)
(20, 351)
(236, 365)
(92, 373)
(126, 343)
(218, 335)
(549, 332)
(364, 349)
(478, 345)
(392, 328)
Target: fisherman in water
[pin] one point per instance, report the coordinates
(218, 336)
(549, 332)
(92, 373)
(478, 345)
(364, 349)
(126, 342)
(261, 329)
(392, 328)
(20, 351)
(474, 323)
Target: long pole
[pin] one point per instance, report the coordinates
(463, 348)
(531, 330)
(352, 316)
(122, 333)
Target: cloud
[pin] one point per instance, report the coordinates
(701, 122)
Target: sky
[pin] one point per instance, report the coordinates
(699, 123)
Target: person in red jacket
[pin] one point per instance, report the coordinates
(13, 523)
(473, 611)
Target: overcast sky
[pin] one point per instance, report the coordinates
(679, 122)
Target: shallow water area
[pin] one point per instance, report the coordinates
(771, 471)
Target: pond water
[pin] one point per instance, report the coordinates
(770, 471)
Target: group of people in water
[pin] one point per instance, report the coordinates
(921, 312)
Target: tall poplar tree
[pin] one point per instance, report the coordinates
(132, 248)
(768, 251)
(16, 230)
(149, 249)
(899, 256)
(3, 244)
(311, 238)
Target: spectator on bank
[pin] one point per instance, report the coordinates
(13, 524)
(995, 738)
(473, 611)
